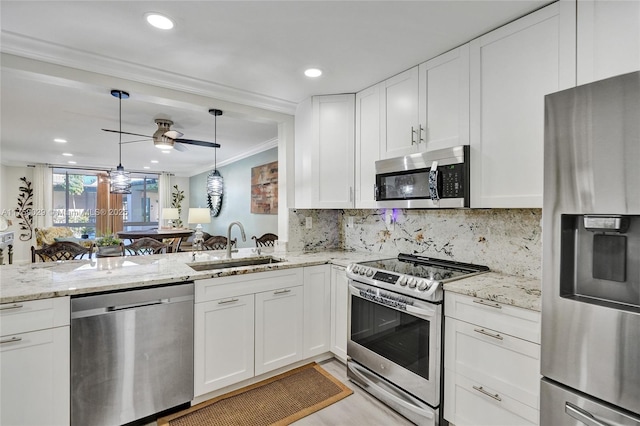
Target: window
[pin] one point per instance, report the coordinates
(141, 207)
(80, 197)
(75, 200)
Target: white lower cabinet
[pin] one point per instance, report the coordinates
(339, 309)
(227, 324)
(492, 377)
(34, 363)
(247, 325)
(278, 328)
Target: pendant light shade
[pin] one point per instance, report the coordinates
(120, 179)
(215, 182)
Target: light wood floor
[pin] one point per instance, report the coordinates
(358, 409)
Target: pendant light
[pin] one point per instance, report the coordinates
(215, 182)
(120, 179)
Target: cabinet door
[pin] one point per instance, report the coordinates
(444, 100)
(512, 69)
(339, 312)
(332, 159)
(400, 125)
(223, 343)
(317, 310)
(608, 39)
(279, 328)
(368, 115)
(35, 378)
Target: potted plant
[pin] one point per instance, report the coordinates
(109, 245)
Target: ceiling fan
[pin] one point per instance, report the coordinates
(165, 138)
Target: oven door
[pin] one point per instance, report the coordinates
(399, 342)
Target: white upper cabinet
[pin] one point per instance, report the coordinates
(608, 39)
(444, 100)
(400, 133)
(512, 69)
(368, 130)
(324, 152)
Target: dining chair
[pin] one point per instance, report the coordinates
(266, 240)
(218, 242)
(59, 250)
(145, 245)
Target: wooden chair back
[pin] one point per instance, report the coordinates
(218, 242)
(59, 250)
(267, 240)
(145, 245)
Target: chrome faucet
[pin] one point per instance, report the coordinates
(244, 238)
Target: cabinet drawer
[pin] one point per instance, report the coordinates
(518, 322)
(236, 285)
(470, 403)
(20, 317)
(506, 364)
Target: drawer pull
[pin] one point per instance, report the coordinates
(486, 333)
(11, 340)
(222, 302)
(286, 290)
(14, 306)
(486, 303)
(489, 394)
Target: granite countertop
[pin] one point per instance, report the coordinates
(507, 289)
(55, 279)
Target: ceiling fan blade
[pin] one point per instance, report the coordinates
(180, 147)
(199, 143)
(127, 133)
(137, 140)
(173, 134)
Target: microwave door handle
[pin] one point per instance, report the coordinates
(433, 182)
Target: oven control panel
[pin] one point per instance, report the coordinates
(397, 282)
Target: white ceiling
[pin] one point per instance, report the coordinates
(61, 59)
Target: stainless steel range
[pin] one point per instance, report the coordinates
(395, 330)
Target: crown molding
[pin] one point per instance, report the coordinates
(19, 45)
(271, 143)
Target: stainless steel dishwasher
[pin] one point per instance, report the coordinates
(131, 354)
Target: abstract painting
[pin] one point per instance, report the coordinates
(264, 189)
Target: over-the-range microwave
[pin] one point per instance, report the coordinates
(431, 179)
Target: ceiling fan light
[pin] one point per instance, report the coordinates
(215, 184)
(163, 142)
(120, 181)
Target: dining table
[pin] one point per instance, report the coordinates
(159, 234)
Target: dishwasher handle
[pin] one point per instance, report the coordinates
(136, 305)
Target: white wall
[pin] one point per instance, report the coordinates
(9, 184)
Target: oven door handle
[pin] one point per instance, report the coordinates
(422, 312)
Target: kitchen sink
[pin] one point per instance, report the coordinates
(233, 263)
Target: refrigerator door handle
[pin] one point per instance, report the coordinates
(582, 415)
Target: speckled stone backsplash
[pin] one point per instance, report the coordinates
(506, 240)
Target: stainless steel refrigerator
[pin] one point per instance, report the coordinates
(591, 255)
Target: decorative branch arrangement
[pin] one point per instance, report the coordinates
(24, 211)
(176, 202)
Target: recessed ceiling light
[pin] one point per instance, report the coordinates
(146, 167)
(166, 151)
(67, 154)
(154, 161)
(71, 162)
(159, 21)
(313, 72)
(60, 140)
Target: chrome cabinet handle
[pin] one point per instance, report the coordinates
(489, 394)
(14, 306)
(413, 132)
(486, 333)
(222, 302)
(421, 130)
(582, 415)
(11, 340)
(486, 303)
(286, 290)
